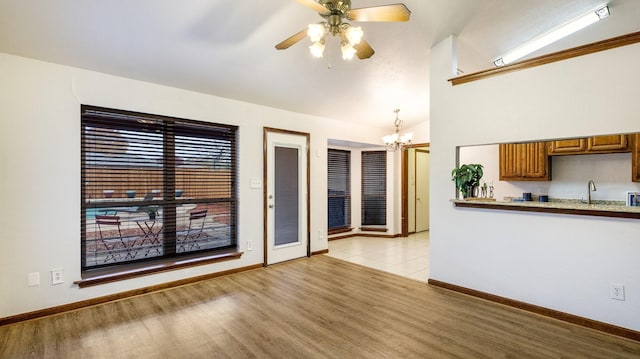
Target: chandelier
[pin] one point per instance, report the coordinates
(396, 141)
(350, 36)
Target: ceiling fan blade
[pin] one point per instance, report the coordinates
(292, 40)
(395, 12)
(315, 6)
(364, 50)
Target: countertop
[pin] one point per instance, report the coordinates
(598, 208)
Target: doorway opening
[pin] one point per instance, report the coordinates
(415, 188)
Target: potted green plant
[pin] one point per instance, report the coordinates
(467, 178)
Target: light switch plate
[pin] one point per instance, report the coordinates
(33, 279)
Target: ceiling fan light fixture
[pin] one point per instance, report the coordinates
(554, 35)
(347, 51)
(317, 48)
(335, 13)
(354, 34)
(316, 32)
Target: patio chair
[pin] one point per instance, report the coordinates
(194, 232)
(105, 225)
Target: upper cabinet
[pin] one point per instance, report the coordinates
(610, 143)
(524, 162)
(567, 147)
(532, 161)
(596, 144)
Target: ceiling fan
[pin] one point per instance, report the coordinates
(335, 12)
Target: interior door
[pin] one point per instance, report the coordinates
(286, 195)
(422, 190)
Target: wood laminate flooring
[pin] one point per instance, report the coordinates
(318, 307)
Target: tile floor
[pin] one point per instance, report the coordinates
(408, 257)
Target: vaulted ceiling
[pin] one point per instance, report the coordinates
(226, 48)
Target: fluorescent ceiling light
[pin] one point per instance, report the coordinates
(554, 35)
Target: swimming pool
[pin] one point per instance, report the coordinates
(92, 212)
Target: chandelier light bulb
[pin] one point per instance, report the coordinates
(406, 138)
(390, 139)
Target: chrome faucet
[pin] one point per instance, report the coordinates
(591, 186)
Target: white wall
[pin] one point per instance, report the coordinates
(40, 172)
(561, 262)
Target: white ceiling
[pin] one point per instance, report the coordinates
(226, 48)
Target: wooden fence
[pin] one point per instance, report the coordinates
(194, 182)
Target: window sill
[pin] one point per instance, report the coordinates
(374, 229)
(339, 230)
(98, 277)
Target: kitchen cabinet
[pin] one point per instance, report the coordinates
(589, 145)
(567, 147)
(524, 162)
(635, 157)
(610, 143)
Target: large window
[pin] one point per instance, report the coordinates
(374, 188)
(155, 187)
(339, 183)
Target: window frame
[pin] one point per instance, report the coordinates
(373, 189)
(170, 129)
(346, 166)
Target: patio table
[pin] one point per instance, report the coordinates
(151, 234)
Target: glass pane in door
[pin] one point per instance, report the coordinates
(286, 196)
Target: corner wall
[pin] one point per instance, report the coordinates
(561, 262)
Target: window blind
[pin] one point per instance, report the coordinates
(374, 187)
(154, 186)
(339, 188)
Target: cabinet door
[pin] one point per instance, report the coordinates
(510, 161)
(524, 162)
(611, 143)
(568, 147)
(635, 157)
(536, 164)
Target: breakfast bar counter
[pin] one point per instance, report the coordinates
(574, 207)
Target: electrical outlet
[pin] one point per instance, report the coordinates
(33, 279)
(616, 291)
(249, 245)
(56, 276)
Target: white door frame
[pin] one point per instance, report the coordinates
(266, 186)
